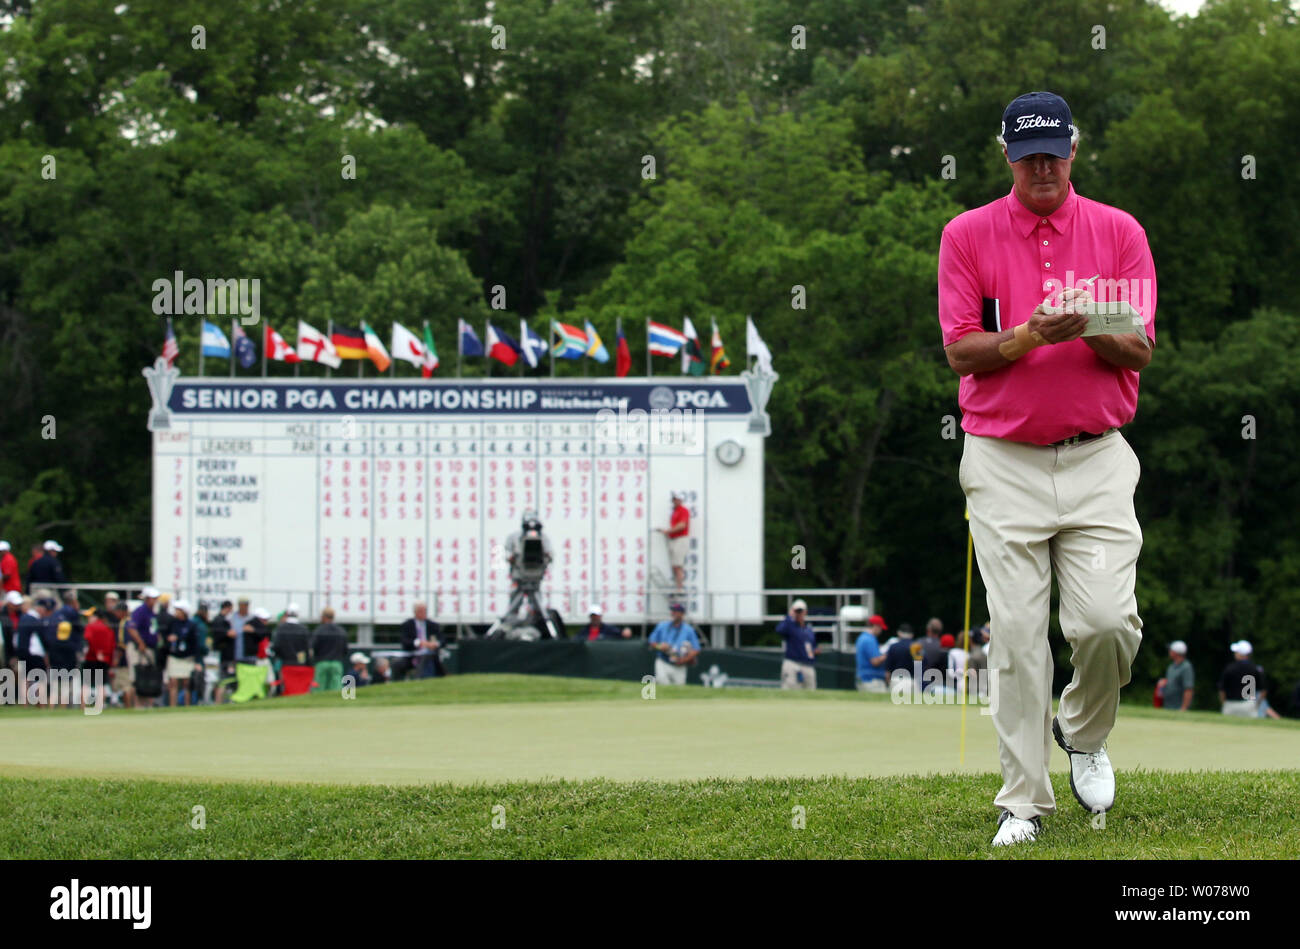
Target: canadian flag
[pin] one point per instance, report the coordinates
(277, 348)
(408, 346)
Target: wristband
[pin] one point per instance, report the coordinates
(1021, 342)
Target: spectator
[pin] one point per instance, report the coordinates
(933, 656)
(69, 613)
(383, 672)
(63, 644)
(977, 664)
(225, 636)
(678, 645)
(29, 642)
(111, 600)
(11, 614)
(360, 668)
(1176, 688)
(182, 640)
(243, 616)
(798, 669)
(122, 682)
(329, 648)
(900, 655)
(142, 639)
(101, 651)
(597, 628)
(678, 533)
(199, 678)
(1241, 683)
(10, 581)
(955, 661)
(871, 661)
(292, 643)
(420, 636)
(47, 568)
(254, 634)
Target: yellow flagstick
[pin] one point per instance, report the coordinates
(966, 626)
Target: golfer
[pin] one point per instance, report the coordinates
(1048, 477)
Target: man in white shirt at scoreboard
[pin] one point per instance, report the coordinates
(677, 644)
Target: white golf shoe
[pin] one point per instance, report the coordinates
(1092, 779)
(1014, 830)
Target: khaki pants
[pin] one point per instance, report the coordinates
(669, 674)
(790, 671)
(1037, 510)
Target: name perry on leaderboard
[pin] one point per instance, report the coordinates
(218, 484)
(396, 398)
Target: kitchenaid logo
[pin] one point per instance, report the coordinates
(1036, 122)
(103, 902)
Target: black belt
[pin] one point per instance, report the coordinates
(1081, 437)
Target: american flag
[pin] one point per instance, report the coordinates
(170, 349)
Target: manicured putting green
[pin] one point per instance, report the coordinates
(495, 729)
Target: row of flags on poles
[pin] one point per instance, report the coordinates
(339, 343)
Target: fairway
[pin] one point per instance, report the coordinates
(535, 767)
(477, 729)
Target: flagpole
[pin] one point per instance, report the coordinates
(201, 326)
(460, 343)
(487, 356)
(233, 340)
(551, 333)
(649, 366)
(264, 351)
(329, 333)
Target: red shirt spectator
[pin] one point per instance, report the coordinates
(101, 641)
(680, 525)
(9, 579)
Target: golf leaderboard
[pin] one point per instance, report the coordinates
(367, 495)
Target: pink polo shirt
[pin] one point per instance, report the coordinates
(998, 262)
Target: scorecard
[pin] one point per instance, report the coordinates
(367, 495)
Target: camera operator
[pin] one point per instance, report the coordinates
(528, 550)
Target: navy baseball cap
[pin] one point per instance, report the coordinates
(1037, 122)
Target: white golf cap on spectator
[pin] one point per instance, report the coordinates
(595, 608)
(110, 595)
(149, 593)
(291, 610)
(53, 545)
(798, 605)
(4, 545)
(182, 606)
(262, 613)
(1179, 647)
(1242, 647)
(359, 657)
(14, 597)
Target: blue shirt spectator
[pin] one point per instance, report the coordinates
(868, 648)
(678, 634)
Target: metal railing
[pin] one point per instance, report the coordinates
(729, 613)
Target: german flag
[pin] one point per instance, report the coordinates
(350, 343)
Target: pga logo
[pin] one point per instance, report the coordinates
(700, 399)
(664, 399)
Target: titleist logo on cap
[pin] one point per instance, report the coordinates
(1035, 122)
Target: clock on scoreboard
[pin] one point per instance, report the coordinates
(369, 494)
